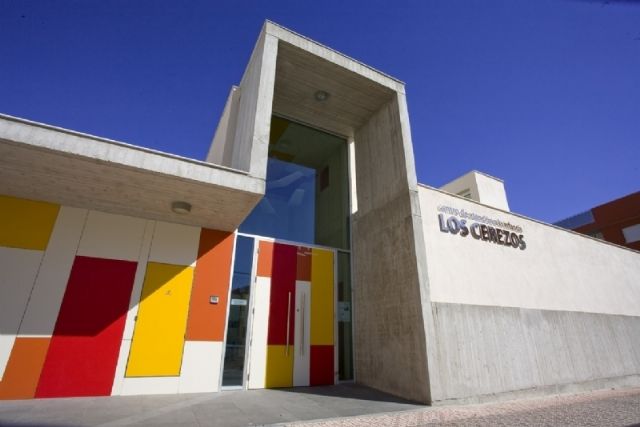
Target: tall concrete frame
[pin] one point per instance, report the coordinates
(393, 324)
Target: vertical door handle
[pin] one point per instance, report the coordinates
(288, 322)
(302, 326)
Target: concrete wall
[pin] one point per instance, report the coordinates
(221, 149)
(562, 312)
(251, 137)
(390, 289)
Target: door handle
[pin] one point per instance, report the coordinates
(288, 323)
(302, 326)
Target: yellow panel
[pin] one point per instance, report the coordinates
(158, 337)
(26, 224)
(321, 297)
(279, 366)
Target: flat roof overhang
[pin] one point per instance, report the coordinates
(46, 163)
(304, 67)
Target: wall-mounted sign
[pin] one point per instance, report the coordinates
(480, 227)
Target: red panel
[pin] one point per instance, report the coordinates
(321, 369)
(283, 282)
(83, 352)
(303, 267)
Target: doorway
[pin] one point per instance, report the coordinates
(290, 325)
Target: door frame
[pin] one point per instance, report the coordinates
(254, 266)
(249, 348)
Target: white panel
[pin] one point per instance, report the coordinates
(175, 244)
(150, 385)
(121, 366)
(18, 270)
(139, 280)
(200, 371)
(112, 236)
(558, 270)
(133, 309)
(302, 331)
(46, 297)
(259, 330)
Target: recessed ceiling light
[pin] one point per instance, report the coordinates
(321, 95)
(181, 208)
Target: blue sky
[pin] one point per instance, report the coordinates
(543, 94)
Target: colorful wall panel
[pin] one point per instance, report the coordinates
(322, 284)
(26, 224)
(279, 372)
(322, 365)
(44, 303)
(83, 351)
(280, 338)
(18, 270)
(211, 278)
(158, 338)
(23, 370)
(265, 259)
(322, 317)
(283, 288)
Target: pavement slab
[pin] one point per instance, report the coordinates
(344, 405)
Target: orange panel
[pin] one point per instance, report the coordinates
(303, 264)
(212, 276)
(23, 369)
(265, 259)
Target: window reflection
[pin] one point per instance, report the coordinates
(287, 210)
(307, 194)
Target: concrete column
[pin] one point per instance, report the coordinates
(392, 310)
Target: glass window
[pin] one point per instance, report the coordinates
(233, 371)
(345, 338)
(632, 233)
(307, 194)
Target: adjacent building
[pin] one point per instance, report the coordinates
(302, 252)
(617, 221)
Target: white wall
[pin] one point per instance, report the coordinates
(558, 270)
(482, 188)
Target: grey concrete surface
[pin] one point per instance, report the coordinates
(614, 408)
(228, 409)
(42, 162)
(391, 301)
(484, 351)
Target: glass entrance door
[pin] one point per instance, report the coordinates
(238, 314)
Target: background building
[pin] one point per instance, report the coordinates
(617, 221)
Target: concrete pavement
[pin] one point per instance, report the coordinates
(345, 405)
(228, 409)
(600, 408)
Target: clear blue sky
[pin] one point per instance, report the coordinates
(543, 94)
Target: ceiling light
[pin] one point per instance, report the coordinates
(321, 95)
(181, 208)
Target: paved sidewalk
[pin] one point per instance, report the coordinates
(342, 405)
(228, 409)
(600, 408)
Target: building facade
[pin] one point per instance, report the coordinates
(617, 221)
(302, 252)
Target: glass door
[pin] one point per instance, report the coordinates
(238, 314)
